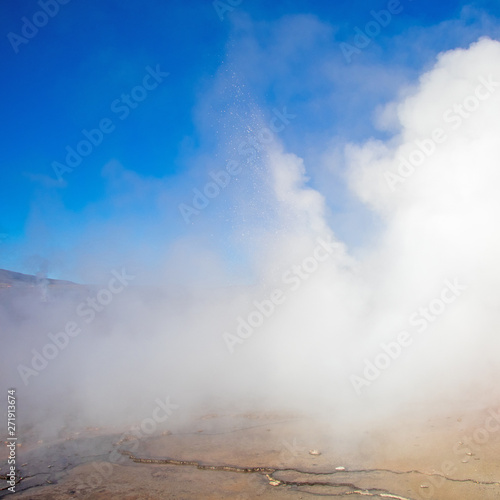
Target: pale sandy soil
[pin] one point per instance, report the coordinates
(407, 459)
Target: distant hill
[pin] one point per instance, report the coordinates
(11, 279)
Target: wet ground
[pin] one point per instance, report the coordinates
(258, 455)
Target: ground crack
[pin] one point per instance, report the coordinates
(414, 471)
(268, 472)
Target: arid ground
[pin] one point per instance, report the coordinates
(257, 455)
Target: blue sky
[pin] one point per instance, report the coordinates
(226, 77)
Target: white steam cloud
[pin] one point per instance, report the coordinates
(413, 316)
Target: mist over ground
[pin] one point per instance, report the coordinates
(315, 324)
